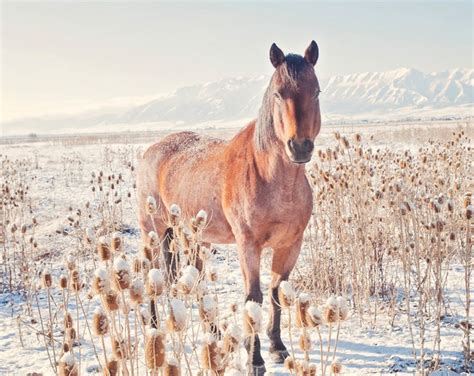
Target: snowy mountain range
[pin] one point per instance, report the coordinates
(392, 95)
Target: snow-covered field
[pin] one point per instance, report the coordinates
(58, 173)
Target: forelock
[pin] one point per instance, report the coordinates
(293, 68)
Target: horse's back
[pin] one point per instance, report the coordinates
(178, 144)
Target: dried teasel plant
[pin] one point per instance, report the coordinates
(155, 349)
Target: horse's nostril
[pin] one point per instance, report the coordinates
(291, 145)
(308, 145)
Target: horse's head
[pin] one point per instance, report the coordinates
(293, 101)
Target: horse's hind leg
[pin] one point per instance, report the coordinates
(284, 260)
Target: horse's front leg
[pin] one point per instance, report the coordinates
(284, 260)
(249, 257)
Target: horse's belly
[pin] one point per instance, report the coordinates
(218, 232)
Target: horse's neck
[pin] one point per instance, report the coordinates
(271, 166)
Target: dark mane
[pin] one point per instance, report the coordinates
(288, 74)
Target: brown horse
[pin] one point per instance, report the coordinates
(253, 187)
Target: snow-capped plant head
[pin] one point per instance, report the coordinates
(252, 317)
(100, 323)
(286, 294)
(290, 116)
(151, 206)
(67, 365)
(175, 214)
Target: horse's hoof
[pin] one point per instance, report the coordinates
(258, 370)
(279, 356)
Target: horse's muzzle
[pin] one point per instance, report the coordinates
(300, 151)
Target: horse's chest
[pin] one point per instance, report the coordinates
(284, 216)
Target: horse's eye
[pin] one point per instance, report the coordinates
(316, 94)
(277, 96)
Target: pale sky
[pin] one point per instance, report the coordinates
(58, 56)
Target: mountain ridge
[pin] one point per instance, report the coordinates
(398, 93)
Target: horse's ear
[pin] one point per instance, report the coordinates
(312, 53)
(277, 56)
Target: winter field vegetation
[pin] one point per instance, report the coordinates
(383, 283)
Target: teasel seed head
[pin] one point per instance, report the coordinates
(146, 266)
(151, 206)
(145, 316)
(147, 252)
(117, 242)
(201, 219)
(204, 253)
(155, 349)
(101, 282)
(286, 294)
(67, 365)
(469, 212)
(211, 272)
(210, 354)
(252, 317)
(175, 214)
(112, 368)
(71, 262)
(172, 368)
(314, 317)
(188, 279)
(201, 289)
(63, 282)
(467, 199)
(68, 323)
(153, 239)
(342, 308)
(100, 323)
(75, 281)
(232, 338)
(303, 368)
(65, 347)
(177, 315)
(103, 249)
(336, 366)
(46, 279)
(136, 291)
(71, 335)
(111, 301)
(121, 274)
(155, 283)
(89, 235)
(305, 342)
(119, 348)
(290, 363)
(302, 305)
(331, 311)
(208, 309)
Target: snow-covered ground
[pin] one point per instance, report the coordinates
(60, 179)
